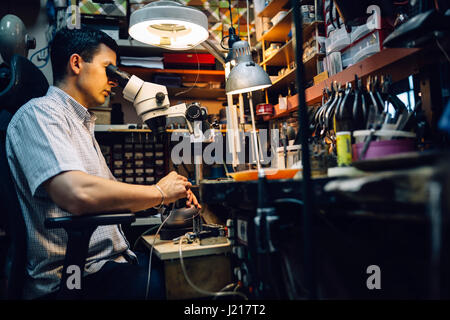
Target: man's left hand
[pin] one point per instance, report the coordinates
(192, 200)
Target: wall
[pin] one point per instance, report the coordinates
(34, 15)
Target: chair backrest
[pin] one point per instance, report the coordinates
(27, 82)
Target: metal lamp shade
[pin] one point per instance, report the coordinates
(246, 76)
(170, 25)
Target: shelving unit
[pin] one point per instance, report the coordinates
(399, 63)
(284, 57)
(187, 75)
(280, 31)
(273, 8)
(279, 58)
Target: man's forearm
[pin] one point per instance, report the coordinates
(81, 193)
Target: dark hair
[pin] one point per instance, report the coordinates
(84, 41)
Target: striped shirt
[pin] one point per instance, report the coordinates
(47, 136)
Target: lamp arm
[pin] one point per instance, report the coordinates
(212, 48)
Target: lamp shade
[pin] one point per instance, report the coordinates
(170, 25)
(246, 76)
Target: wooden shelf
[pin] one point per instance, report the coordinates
(283, 81)
(280, 31)
(289, 77)
(281, 57)
(196, 93)
(310, 66)
(399, 63)
(273, 8)
(186, 74)
(309, 27)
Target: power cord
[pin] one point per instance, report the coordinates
(143, 234)
(200, 290)
(151, 252)
(443, 50)
(196, 78)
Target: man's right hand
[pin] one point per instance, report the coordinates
(174, 186)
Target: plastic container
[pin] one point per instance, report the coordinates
(379, 149)
(264, 109)
(360, 135)
(337, 40)
(293, 155)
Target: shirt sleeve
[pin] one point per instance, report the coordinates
(39, 142)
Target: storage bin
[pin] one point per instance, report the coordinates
(378, 149)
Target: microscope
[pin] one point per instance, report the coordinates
(152, 104)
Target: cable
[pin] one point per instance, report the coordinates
(196, 79)
(231, 17)
(200, 290)
(443, 50)
(228, 286)
(151, 252)
(47, 58)
(143, 234)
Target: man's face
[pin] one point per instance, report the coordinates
(93, 81)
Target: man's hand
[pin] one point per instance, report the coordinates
(192, 200)
(175, 187)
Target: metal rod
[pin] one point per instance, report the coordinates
(216, 52)
(308, 195)
(255, 138)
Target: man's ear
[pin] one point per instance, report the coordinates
(75, 63)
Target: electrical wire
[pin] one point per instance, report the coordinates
(228, 286)
(151, 252)
(443, 50)
(196, 78)
(143, 234)
(200, 290)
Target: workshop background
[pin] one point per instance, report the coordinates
(366, 216)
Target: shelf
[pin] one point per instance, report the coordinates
(281, 57)
(399, 63)
(186, 74)
(287, 50)
(284, 80)
(273, 8)
(124, 128)
(309, 27)
(280, 31)
(196, 93)
(310, 67)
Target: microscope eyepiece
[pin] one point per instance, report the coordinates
(117, 75)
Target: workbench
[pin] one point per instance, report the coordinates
(207, 266)
(382, 218)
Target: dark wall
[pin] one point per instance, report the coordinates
(26, 10)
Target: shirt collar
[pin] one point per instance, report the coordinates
(74, 107)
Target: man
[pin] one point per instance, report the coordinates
(58, 170)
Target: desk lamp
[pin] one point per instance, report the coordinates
(247, 77)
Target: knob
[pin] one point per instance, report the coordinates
(160, 97)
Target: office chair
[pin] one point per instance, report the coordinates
(27, 82)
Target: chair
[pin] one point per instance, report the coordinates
(27, 82)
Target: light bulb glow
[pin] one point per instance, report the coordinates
(172, 34)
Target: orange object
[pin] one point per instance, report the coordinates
(271, 174)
